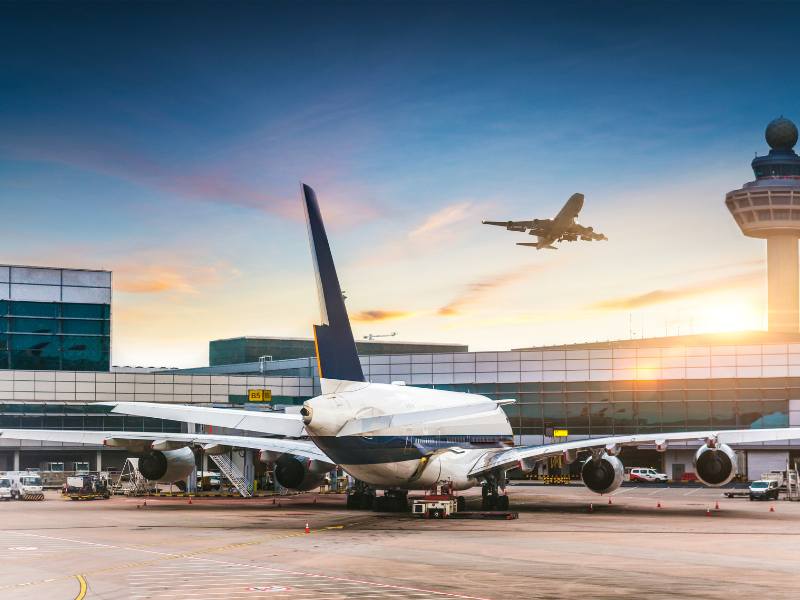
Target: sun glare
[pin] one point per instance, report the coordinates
(726, 314)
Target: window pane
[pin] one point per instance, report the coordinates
(624, 418)
(601, 416)
(649, 415)
(674, 416)
(85, 353)
(698, 415)
(34, 352)
(19, 325)
(34, 309)
(723, 414)
(776, 414)
(531, 416)
(84, 327)
(85, 311)
(749, 413)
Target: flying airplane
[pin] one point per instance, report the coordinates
(390, 437)
(561, 229)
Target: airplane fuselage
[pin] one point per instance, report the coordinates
(414, 457)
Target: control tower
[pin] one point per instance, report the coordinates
(769, 208)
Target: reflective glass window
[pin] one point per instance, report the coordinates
(34, 309)
(649, 415)
(73, 422)
(3, 324)
(624, 418)
(4, 307)
(723, 414)
(673, 415)
(554, 415)
(698, 415)
(85, 353)
(134, 423)
(578, 417)
(22, 325)
(85, 311)
(36, 352)
(776, 414)
(530, 416)
(53, 422)
(749, 412)
(602, 418)
(553, 386)
(507, 388)
(79, 326)
(512, 414)
(114, 423)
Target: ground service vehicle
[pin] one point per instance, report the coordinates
(5, 488)
(764, 489)
(646, 475)
(86, 487)
(26, 485)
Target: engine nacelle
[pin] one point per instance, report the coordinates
(167, 466)
(604, 474)
(715, 465)
(302, 474)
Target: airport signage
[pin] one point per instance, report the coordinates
(259, 395)
(552, 432)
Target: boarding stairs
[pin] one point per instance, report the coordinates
(131, 482)
(233, 474)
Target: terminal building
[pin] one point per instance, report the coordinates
(55, 324)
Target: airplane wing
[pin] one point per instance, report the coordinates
(511, 225)
(140, 441)
(514, 457)
(273, 423)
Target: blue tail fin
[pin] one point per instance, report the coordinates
(337, 357)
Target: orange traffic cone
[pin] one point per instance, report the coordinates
(609, 501)
(771, 509)
(190, 499)
(716, 506)
(708, 512)
(307, 529)
(591, 508)
(145, 502)
(659, 504)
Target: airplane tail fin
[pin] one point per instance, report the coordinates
(337, 357)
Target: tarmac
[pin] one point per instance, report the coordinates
(558, 548)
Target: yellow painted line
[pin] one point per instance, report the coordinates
(82, 592)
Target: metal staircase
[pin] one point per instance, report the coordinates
(233, 474)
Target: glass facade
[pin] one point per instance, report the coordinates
(77, 417)
(55, 319)
(55, 336)
(599, 408)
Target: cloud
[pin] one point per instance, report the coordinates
(174, 277)
(660, 296)
(442, 219)
(473, 293)
(368, 316)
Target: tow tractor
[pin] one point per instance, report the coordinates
(444, 504)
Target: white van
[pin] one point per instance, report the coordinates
(5, 487)
(26, 485)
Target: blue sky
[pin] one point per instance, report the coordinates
(165, 141)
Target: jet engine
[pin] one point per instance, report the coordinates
(715, 464)
(168, 465)
(603, 474)
(302, 474)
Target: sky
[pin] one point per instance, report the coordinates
(166, 142)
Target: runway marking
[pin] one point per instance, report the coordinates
(307, 580)
(690, 492)
(82, 583)
(623, 490)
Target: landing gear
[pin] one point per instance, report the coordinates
(360, 497)
(392, 501)
(492, 499)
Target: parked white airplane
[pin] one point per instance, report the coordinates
(392, 437)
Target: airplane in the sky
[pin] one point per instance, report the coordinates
(562, 228)
(390, 437)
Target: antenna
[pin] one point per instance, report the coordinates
(372, 336)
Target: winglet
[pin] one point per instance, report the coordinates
(337, 357)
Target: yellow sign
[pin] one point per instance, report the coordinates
(259, 395)
(560, 432)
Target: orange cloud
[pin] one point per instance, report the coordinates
(661, 296)
(367, 316)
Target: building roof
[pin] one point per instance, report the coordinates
(700, 339)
